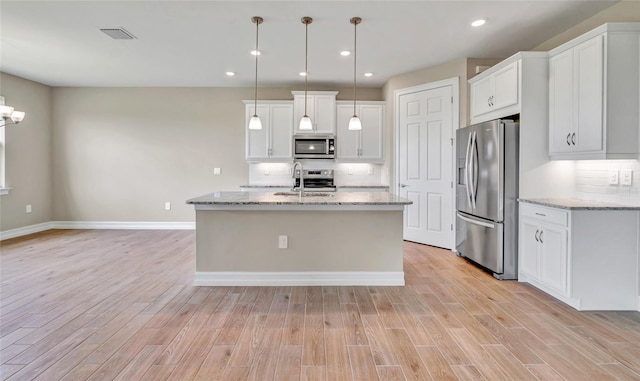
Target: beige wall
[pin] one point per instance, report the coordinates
(624, 11)
(121, 153)
(28, 154)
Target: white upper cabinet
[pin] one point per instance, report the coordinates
(594, 95)
(321, 108)
(364, 145)
(495, 93)
(274, 141)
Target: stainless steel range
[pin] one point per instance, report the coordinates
(320, 180)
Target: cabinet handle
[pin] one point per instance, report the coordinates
(536, 235)
(540, 236)
(540, 214)
(489, 101)
(573, 138)
(568, 137)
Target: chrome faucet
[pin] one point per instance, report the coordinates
(293, 175)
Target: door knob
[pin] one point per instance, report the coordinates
(403, 185)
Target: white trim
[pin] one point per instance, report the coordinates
(124, 225)
(5, 190)
(26, 230)
(301, 278)
(638, 309)
(455, 124)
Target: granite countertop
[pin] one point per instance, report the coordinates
(268, 198)
(577, 204)
(338, 186)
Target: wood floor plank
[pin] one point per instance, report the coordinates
(215, 363)
(96, 304)
(289, 363)
(338, 363)
(390, 373)
(436, 364)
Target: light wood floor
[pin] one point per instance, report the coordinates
(102, 305)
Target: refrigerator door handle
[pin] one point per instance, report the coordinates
(481, 223)
(467, 172)
(473, 170)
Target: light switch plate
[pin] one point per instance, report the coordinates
(613, 177)
(626, 177)
(216, 171)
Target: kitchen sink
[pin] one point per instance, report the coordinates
(306, 194)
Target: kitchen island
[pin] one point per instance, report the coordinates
(266, 239)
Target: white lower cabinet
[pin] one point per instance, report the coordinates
(587, 258)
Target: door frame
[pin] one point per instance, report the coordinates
(454, 83)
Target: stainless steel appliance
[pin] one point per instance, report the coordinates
(320, 180)
(486, 196)
(314, 146)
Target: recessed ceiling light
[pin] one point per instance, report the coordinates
(255, 52)
(302, 74)
(368, 74)
(230, 73)
(479, 22)
(345, 53)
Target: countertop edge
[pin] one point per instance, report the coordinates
(577, 204)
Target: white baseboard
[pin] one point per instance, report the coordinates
(25, 230)
(124, 225)
(301, 278)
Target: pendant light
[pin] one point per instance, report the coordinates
(354, 122)
(305, 122)
(255, 123)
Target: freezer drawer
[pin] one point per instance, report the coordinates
(481, 241)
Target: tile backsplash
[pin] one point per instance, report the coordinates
(345, 174)
(592, 181)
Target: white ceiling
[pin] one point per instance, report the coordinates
(193, 43)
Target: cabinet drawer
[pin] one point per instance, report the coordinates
(541, 213)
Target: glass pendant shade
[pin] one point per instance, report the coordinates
(255, 123)
(6, 111)
(305, 123)
(354, 123)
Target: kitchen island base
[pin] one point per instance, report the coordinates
(239, 247)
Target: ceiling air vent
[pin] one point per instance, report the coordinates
(118, 33)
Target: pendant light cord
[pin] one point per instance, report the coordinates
(306, 71)
(255, 94)
(355, 40)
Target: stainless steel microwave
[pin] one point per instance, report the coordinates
(314, 146)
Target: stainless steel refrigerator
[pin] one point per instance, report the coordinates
(486, 196)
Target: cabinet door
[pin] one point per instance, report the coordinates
(481, 93)
(506, 86)
(529, 248)
(561, 107)
(257, 141)
(324, 113)
(347, 142)
(281, 131)
(588, 66)
(553, 257)
(371, 135)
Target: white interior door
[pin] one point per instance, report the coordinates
(425, 164)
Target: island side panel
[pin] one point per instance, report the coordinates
(319, 241)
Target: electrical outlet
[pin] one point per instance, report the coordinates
(216, 171)
(371, 170)
(283, 242)
(626, 176)
(266, 171)
(28, 208)
(350, 171)
(613, 177)
(167, 206)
